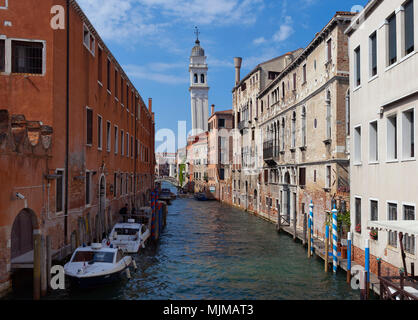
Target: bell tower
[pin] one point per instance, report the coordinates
(199, 88)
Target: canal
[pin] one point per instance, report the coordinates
(212, 251)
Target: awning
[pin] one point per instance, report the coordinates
(409, 227)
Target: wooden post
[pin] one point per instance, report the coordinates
(37, 264)
(379, 274)
(44, 284)
(279, 220)
(412, 270)
(363, 285)
(304, 228)
(48, 260)
(402, 284)
(294, 226)
(309, 238)
(326, 247)
(402, 252)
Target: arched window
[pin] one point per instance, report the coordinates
(283, 127)
(202, 78)
(303, 127)
(195, 78)
(328, 104)
(294, 129)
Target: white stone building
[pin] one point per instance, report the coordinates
(384, 100)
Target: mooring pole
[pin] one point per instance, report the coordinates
(326, 246)
(43, 267)
(311, 206)
(334, 240)
(367, 262)
(379, 274)
(309, 236)
(294, 224)
(48, 261)
(349, 258)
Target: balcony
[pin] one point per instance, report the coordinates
(270, 152)
(243, 125)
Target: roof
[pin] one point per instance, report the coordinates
(224, 112)
(409, 227)
(258, 67)
(339, 15)
(197, 50)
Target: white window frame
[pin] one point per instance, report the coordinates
(355, 85)
(370, 208)
(408, 158)
(100, 141)
(357, 160)
(6, 5)
(116, 133)
(122, 147)
(371, 76)
(108, 136)
(328, 180)
(392, 159)
(8, 54)
(388, 202)
(374, 161)
(90, 35)
(63, 191)
(127, 144)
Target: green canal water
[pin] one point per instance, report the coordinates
(211, 251)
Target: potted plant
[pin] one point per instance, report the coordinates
(358, 228)
(373, 234)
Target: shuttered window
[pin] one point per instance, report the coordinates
(392, 40)
(409, 27)
(358, 215)
(2, 56)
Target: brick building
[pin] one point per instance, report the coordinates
(221, 124)
(304, 124)
(101, 152)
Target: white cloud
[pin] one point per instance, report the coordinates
(155, 72)
(260, 40)
(285, 30)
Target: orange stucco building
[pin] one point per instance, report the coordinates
(74, 146)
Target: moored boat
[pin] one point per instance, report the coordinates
(130, 236)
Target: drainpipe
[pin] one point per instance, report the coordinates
(67, 125)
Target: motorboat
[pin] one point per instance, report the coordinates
(96, 265)
(201, 197)
(130, 237)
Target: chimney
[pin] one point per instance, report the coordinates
(213, 110)
(150, 104)
(237, 63)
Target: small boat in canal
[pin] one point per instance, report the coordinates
(95, 265)
(201, 197)
(130, 236)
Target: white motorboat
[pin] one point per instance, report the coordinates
(130, 236)
(96, 265)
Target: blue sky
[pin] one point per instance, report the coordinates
(152, 40)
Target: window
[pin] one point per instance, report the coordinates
(221, 123)
(294, 130)
(27, 57)
(59, 191)
(121, 91)
(116, 84)
(121, 184)
(357, 67)
(127, 97)
(329, 51)
(314, 175)
(108, 136)
(108, 74)
(409, 240)
(132, 146)
(89, 40)
(294, 82)
(393, 215)
(116, 140)
(328, 104)
(195, 78)
(304, 73)
(374, 210)
(302, 176)
(3, 4)
(89, 127)
(392, 40)
(122, 145)
(202, 78)
(115, 184)
(303, 127)
(373, 55)
(358, 215)
(99, 132)
(392, 138)
(373, 142)
(100, 65)
(127, 144)
(357, 145)
(283, 128)
(283, 90)
(409, 27)
(2, 56)
(88, 188)
(408, 127)
(328, 178)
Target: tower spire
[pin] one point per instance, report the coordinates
(196, 32)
